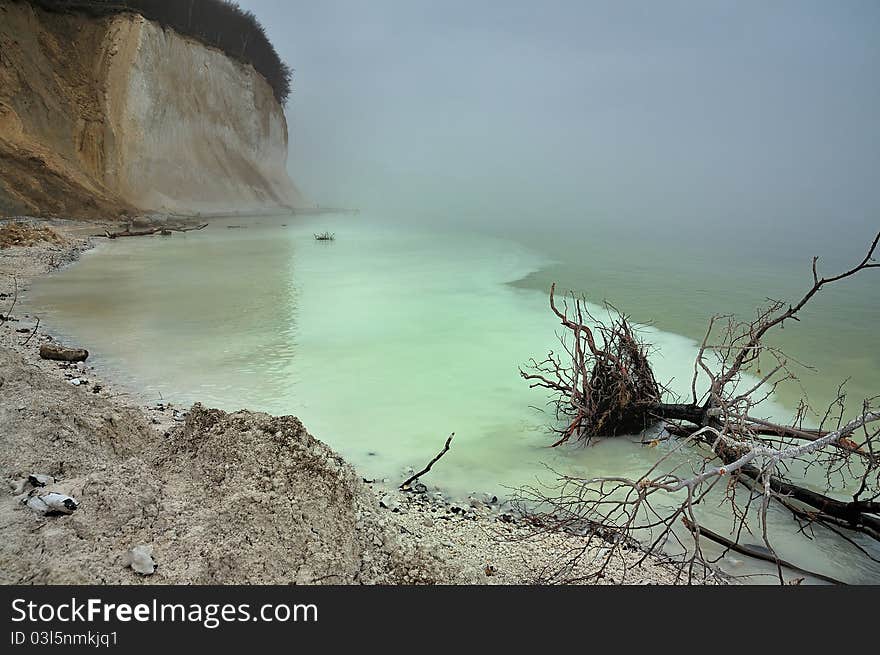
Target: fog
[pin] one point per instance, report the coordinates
(681, 159)
(736, 117)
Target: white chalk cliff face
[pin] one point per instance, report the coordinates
(102, 116)
(194, 130)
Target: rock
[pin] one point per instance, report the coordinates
(59, 353)
(40, 479)
(18, 486)
(51, 503)
(76, 382)
(140, 559)
(389, 502)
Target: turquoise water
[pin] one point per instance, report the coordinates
(389, 338)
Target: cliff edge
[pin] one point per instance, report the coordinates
(111, 115)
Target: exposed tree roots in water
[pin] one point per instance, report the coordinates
(603, 385)
(609, 387)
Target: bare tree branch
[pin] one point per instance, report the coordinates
(405, 484)
(714, 445)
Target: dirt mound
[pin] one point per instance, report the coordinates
(25, 234)
(223, 498)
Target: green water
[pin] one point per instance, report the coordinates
(389, 338)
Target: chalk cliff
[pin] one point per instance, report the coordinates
(112, 115)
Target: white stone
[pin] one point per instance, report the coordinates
(140, 559)
(52, 502)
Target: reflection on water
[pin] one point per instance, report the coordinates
(383, 342)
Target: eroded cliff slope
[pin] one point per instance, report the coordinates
(107, 116)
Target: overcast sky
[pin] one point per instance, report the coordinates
(687, 112)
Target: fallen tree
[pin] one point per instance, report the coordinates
(715, 442)
(164, 230)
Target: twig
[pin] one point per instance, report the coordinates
(14, 299)
(406, 482)
(33, 332)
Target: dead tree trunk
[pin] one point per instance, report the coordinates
(679, 412)
(160, 229)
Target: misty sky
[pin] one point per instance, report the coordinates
(687, 113)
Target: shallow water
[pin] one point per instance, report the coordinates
(389, 338)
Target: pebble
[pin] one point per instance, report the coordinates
(140, 559)
(18, 486)
(52, 503)
(491, 543)
(40, 479)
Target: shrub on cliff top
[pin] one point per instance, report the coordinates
(218, 23)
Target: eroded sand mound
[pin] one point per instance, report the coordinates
(224, 498)
(20, 233)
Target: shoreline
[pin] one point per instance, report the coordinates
(448, 542)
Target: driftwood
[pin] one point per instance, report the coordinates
(61, 354)
(161, 229)
(405, 484)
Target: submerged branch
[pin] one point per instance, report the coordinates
(754, 552)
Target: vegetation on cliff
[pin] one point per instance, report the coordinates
(218, 23)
